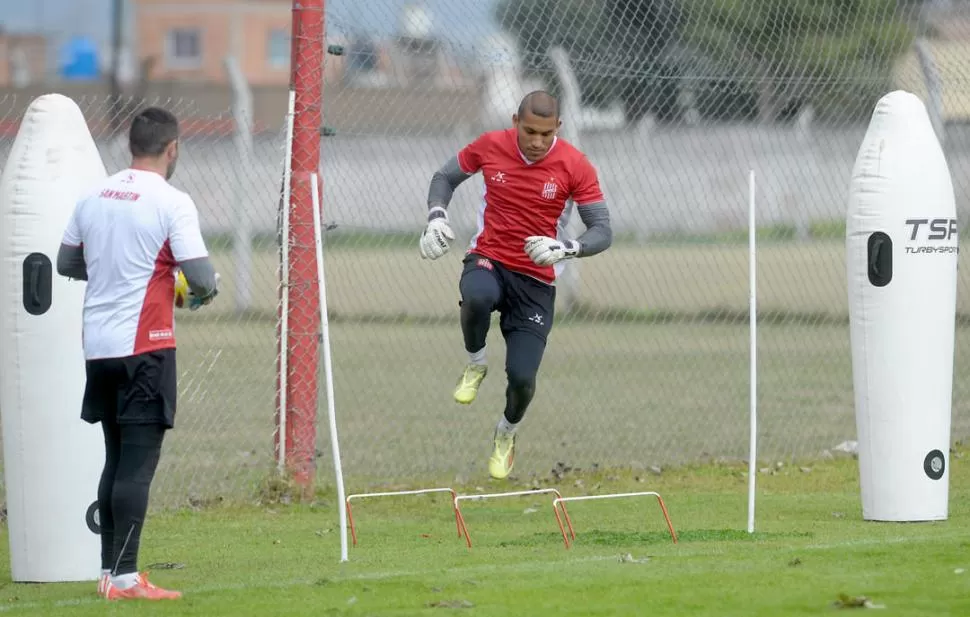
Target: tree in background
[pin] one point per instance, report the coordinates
(617, 48)
(835, 54)
(777, 54)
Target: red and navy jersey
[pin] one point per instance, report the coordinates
(524, 198)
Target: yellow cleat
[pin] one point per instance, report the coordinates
(471, 378)
(500, 463)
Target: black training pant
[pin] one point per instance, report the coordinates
(131, 456)
(134, 400)
(526, 307)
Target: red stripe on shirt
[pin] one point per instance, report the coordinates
(156, 322)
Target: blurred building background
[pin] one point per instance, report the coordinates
(669, 95)
(178, 48)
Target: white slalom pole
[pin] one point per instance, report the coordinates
(327, 365)
(753, 320)
(285, 278)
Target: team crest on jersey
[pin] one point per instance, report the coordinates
(549, 189)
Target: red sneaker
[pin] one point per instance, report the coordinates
(142, 590)
(103, 584)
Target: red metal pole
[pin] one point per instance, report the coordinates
(303, 336)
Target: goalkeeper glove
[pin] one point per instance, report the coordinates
(185, 297)
(545, 251)
(437, 235)
(196, 302)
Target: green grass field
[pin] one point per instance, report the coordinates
(811, 548)
(373, 277)
(652, 369)
(644, 387)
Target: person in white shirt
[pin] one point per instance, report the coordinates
(128, 238)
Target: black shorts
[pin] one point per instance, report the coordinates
(526, 303)
(139, 389)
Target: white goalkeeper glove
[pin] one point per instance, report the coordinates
(436, 237)
(546, 251)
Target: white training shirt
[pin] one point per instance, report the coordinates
(134, 228)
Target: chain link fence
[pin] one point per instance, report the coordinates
(223, 442)
(674, 102)
(647, 365)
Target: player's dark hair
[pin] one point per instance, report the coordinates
(539, 103)
(151, 131)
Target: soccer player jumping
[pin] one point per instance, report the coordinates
(531, 175)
